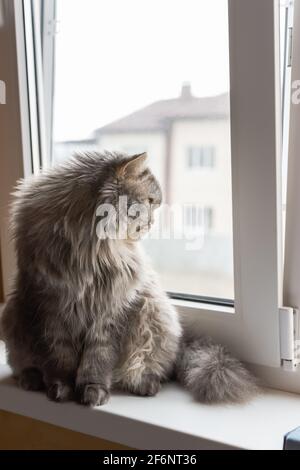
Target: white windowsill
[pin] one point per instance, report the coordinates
(171, 420)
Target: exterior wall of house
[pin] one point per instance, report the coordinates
(210, 187)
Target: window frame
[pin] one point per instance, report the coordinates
(251, 327)
(16, 150)
(252, 332)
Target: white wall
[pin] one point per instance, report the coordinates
(209, 187)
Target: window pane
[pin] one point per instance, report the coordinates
(141, 75)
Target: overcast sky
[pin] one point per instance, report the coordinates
(116, 56)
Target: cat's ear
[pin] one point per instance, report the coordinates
(134, 165)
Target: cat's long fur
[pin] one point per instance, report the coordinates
(87, 314)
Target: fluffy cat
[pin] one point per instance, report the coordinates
(87, 313)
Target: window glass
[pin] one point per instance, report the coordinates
(141, 75)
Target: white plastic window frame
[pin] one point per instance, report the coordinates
(251, 328)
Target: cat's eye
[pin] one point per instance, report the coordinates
(150, 200)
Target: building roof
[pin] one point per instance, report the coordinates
(158, 115)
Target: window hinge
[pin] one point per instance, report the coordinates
(289, 337)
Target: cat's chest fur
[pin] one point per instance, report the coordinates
(105, 294)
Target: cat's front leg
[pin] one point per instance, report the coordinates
(94, 375)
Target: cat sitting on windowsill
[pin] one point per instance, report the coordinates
(87, 313)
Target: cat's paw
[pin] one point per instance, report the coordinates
(59, 391)
(94, 395)
(149, 386)
(31, 379)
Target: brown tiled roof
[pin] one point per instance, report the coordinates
(158, 115)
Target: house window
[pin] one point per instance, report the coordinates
(201, 157)
(208, 218)
(193, 216)
(196, 217)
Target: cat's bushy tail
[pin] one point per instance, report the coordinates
(211, 374)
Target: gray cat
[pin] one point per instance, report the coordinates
(87, 313)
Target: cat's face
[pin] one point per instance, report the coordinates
(136, 194)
